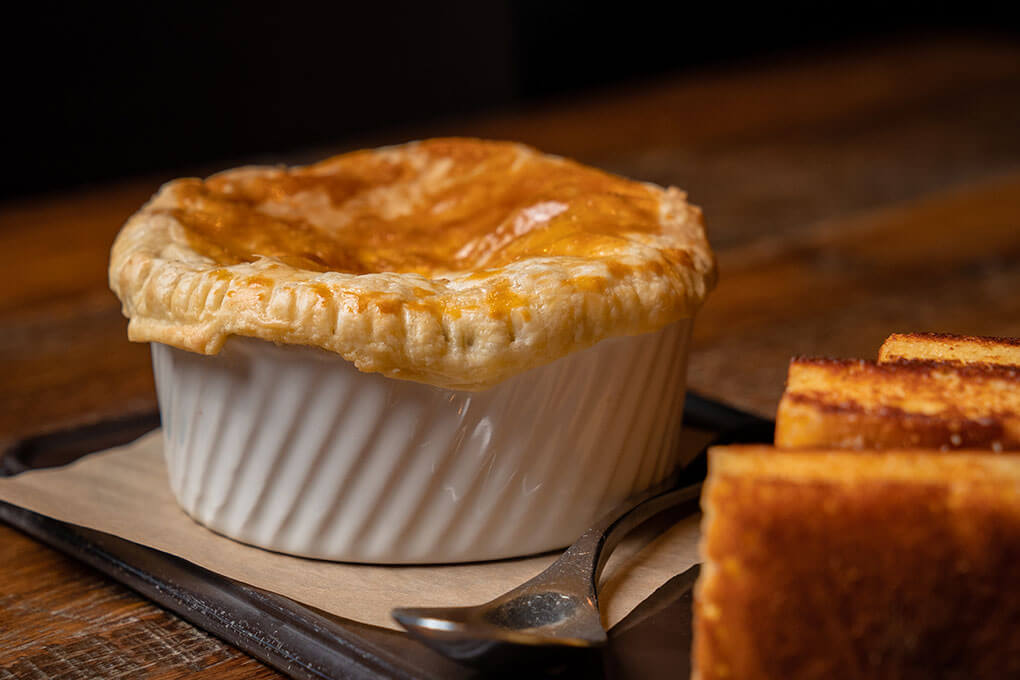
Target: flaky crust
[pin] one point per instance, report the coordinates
(468, 321)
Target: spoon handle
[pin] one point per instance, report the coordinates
(592, 550)
(599, 541)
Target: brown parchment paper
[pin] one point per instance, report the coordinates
(125, 492)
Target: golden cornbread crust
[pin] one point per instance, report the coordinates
(961, 349)
(453, 262)
(819, 564)
(809, 421)
(928, 404)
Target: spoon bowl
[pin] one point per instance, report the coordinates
(556, 609)
(556, 613)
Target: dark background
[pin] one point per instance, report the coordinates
(101, 92)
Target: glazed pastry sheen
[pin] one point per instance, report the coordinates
(454, 262)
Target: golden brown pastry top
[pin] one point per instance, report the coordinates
(452, 206)
(455, 262)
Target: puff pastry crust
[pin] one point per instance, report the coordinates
(453, 262)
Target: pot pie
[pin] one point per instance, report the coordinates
(449, 350)
(453, 262)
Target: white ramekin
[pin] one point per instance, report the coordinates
(295, 450)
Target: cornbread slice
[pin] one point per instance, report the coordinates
(829, 564)
(962, 349)
(924, 404)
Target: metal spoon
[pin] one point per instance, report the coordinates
(556, 609)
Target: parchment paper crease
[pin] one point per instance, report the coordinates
(125, 492)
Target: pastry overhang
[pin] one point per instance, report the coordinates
(454, 262)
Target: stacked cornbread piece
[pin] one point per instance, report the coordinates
(926, 391)
(881, 537)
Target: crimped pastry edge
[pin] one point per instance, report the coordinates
(176, 296)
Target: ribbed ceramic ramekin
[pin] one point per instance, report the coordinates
(295, 450)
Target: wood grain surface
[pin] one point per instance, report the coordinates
(848, 196)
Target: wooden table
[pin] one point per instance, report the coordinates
(848, 195)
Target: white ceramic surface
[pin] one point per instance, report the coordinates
(295, 450)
